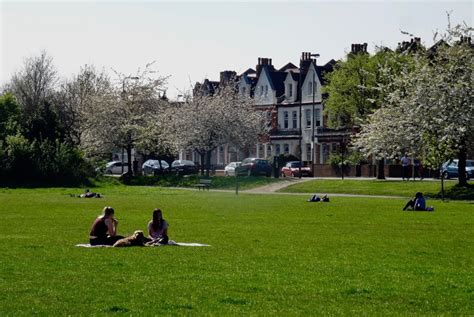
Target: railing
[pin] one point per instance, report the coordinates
(330, 131)
(285, 132)
(320, 131)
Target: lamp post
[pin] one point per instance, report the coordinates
(313, 115)
(300, 130)
(129, 150)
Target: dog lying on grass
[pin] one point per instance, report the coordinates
(136, 240)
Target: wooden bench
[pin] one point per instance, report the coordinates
(204, 184)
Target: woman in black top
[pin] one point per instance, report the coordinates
(104, 229)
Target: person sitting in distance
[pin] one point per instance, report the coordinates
(158, 228)
(417, 204)
(89, 194)
(104, 229)
(315, 198)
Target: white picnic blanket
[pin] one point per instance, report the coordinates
(170, 242)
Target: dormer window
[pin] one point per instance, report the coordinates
(261, 90)
(266, 90)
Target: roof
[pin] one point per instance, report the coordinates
(288, 67)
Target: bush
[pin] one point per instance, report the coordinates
(46, 162)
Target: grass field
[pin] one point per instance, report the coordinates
(218, 182)
(270, 254)
(374, 187)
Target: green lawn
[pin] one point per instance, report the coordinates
(270, 255)
(373, 187)
(218, 182)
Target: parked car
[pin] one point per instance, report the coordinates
(292, 169)
(152, 167)
(183, 167)
(229, 170)
(450, 169)
(115, 167)
(254, 166)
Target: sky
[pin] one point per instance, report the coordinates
(193, 40)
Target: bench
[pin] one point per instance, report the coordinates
(204, 184)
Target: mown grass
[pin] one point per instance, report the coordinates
(381, 187)
(270, 255)
(218, 182)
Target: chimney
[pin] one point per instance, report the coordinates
(359, 48)
(305, 62)
(227, 76)
(262, 62)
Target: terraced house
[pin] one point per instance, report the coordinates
(292, 98)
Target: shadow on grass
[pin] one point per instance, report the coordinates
(456, 192)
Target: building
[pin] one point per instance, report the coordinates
(293, 100)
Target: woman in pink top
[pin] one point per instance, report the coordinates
(158, 228)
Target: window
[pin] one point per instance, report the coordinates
(317, 116)
(286, 148)
(325, 152)
(311, 88)
(266, 90)
(294, 117)
(277, 149)
(308, 152)
(260, 151)
(290, 90)
(269, 150)
(285, 119)
(308, 118)
(243, 90)
(261, 90)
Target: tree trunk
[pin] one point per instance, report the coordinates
(381, 169)
(129, 158)
(462, 181)
(208, 162)
(202, 154)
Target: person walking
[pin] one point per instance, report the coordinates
(405, 167)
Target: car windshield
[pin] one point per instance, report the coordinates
(295, 164)
(470, 163)
(261, 162)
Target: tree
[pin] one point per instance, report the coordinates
(75, 99)
(429, 107)
(206, 122)
(122, 115)
(354, 88)
(10, 116)
(34, 84)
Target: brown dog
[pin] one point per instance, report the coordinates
(135, 240)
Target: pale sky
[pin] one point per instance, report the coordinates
(194, 40)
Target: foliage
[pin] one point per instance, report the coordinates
(337, 261)
(350, 158)
(353, 88)
(10, 116)
(206, 122)
(428, 108)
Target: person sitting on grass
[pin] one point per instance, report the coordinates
(417, 204)
(158, 228)
(89, 194)
(104, 229)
